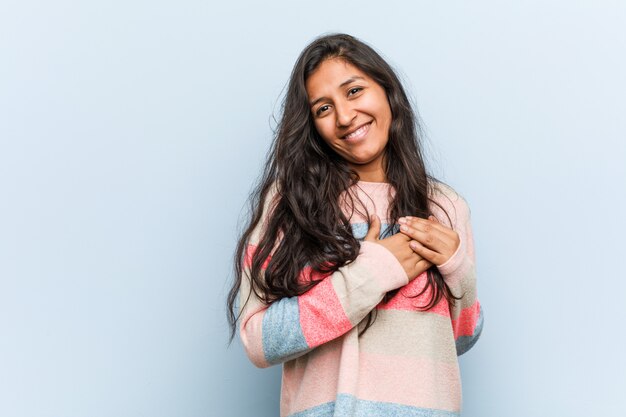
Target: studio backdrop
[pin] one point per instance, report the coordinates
(131, 133)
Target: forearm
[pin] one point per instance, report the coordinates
(290, 327)
(459, 273)
(466, 314)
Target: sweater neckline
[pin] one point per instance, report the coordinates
(371, 182)
(373, 185)
(374, 188)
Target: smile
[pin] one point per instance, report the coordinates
(359, 133)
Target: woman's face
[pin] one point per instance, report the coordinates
(352, 115)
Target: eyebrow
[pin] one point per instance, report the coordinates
(346, 82)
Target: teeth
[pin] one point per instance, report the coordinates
(357, 132)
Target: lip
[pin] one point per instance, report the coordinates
(364, 126)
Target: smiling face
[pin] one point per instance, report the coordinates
(351, 114)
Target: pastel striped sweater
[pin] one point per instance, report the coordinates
(406, 362)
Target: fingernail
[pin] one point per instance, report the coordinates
(402, 220)
(404, 228)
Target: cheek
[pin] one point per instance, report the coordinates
(380, 107)
(386, 116)
(324, 130)
(385, 109)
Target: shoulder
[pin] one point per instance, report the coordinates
(449, 206)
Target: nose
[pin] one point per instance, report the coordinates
(345, 115)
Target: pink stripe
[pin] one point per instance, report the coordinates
(247, 259)
(466, 323)
(339, 367)
(307, 274)
(311, 380)
(321, 315)
(432, 384)
(405, 299)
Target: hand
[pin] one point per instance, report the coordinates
(398, 244)
(431, 239)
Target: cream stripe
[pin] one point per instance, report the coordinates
(410, 333)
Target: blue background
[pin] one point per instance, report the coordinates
(130, 135)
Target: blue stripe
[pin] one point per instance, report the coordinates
(282, 335)
(350, 406)
(465, 343)
(359, 230)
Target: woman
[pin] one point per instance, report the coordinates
(356, 271)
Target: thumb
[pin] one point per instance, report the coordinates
(374, 231)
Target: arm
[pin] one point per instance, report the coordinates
(290, 327)
(448, 243)
(459, 272)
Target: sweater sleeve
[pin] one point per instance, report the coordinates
(290, 327)
(459, 272)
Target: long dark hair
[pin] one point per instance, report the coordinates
(307, 226)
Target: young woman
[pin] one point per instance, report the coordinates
(356, 271)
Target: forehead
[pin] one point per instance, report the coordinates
(330, 74)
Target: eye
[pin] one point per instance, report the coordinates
(322, 109)
(354, 90)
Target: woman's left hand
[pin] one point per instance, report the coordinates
(431, 240)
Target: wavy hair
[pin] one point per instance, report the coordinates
(307, 226)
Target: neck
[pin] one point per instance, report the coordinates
(372, 171)
(374, 175)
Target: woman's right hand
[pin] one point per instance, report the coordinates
(398, 245)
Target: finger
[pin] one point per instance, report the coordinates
(427, 224)
(428, 254)
(449, 237)
(431, 238)
(421, 266)
(374, 230)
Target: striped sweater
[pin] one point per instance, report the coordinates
(406, 363)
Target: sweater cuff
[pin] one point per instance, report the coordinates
(455, 261)
(383, 266)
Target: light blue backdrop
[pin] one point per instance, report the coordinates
(130, 135)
